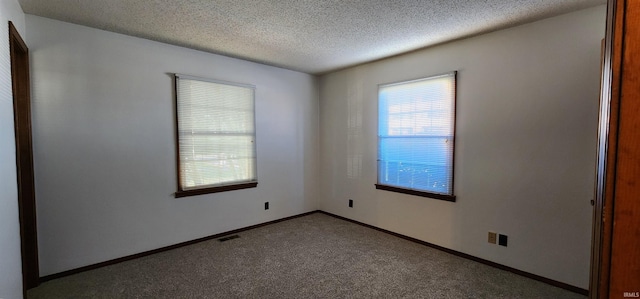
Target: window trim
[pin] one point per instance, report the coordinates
(216, 189)
(440, 196)
(207, 189)
(415, 192)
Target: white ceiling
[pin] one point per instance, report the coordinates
(313, 36)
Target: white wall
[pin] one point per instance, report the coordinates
(104, 148)
(10, 261)
(525, 147)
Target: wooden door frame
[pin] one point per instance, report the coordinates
(614, 249)
(624, 263)
(24, 158)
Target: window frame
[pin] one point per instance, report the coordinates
(207, 189)
(441, 196)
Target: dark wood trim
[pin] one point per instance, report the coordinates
(176, 132)
(14, 36)
(451, 198)
(549, 281)
(19, 53)
(608, 138)
(170, 247)
(624, 263)
(184, 193)
(612, 151)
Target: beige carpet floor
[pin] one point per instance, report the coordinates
(314, 256)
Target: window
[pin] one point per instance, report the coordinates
(216, 136)
(416, 122)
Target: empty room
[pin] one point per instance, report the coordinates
(299, 149)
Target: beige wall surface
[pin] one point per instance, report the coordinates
(104, 145)
(527, 115)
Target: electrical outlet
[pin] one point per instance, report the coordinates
(266, 205)
(502, 240)
(351, 203)
(492, 237)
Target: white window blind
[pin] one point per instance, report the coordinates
(216, 133)
(416, 134)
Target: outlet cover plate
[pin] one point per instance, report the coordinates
(492, 238)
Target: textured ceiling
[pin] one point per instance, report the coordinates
(313, 36)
